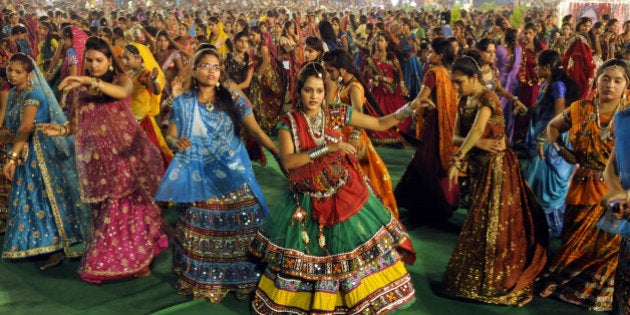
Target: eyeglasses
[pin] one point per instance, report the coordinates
(207, 66)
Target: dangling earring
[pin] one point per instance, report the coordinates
(218, 84)
(194, 82)
(110, 68)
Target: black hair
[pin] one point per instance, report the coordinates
(553, 59)
(326, 31)
(443, 47)
(614, 63)
(26, 61)
(99, 44)
(537, 44)
(311, 69)
(341, 58)
(468, 64)
(225, 102)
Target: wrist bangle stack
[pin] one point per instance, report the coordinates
(404, 112)
(401, 83)
(12, 158)
(356, 134)
(317, 152)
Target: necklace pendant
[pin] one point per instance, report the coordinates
(231, 153)
(209, 107)
(604, 134)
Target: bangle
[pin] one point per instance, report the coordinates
(171, 142)
(12, 155)
(99, 84)
(317, 152)
(514, 98)
(556, 146)
(355, 134)
(542, 138)
(404, 112)
(93, 83)
(401, 83)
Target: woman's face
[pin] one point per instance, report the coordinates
(566, 30)
(238, 27)
(611, 84)
(529, 35)
(162, 42)
(434, 58)
(254, 37)
(96, 62)
(312, 95)
(131, 61)
(242, 44)
(463, 83)
(214, 28)
(458, 31)
(333, 73)
(15, 19)
(310, 54)
(543, 71)
(335, 26)
(183, 30)
(489, 55)
(42, 31)
(17, 74)
(227, 27)
(67, 42)
(381, 43)
(207, 71)
(585, 27)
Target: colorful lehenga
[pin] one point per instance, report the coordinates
(221, 203)
(388, 96)
(423, 187)
(119, 171)
(609, 223)
(45, 212)
(266, 91)
(502, 246)
(5, 184)
(548, 178)
(586, 279)
(508, 76)
(330, 245)
(372, 165)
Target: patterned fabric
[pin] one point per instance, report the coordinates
(266, 92)
(527, 91)
(579, 62)
(126, 221)
(387, 95)
(145, 105)
(45, 212)
(372, 165)
(501, 248)
(216, 163)
(221, 203)
(349, 266)
(586, 279)
(211, 246)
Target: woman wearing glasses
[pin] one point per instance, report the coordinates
(212, 180)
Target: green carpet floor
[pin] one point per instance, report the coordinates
(24, 289)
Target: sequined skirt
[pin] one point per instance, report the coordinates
(211, 241)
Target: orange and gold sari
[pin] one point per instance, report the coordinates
(582, 270)
(372, 165)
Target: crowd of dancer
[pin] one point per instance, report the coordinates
(110, 118)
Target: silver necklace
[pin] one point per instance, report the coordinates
(604, 132)
(316, 124)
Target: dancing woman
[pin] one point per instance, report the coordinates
(317, 259)
(119, 168)
(212, 181)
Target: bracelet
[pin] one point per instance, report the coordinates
(401, 83)
(542, 138)
(93, 83)
(171, 142)
(404, 112)
(12, 155)
(99, 84)
(355, 134)
(514, 98)
(12, 161)
(317, 152)
(556, 146)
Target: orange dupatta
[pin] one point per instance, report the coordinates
(446, 109)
